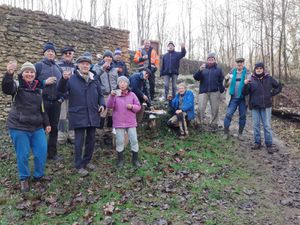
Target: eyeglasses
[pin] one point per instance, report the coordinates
(68, 53)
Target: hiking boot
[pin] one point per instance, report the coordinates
(120, 159)
(91, 166)
(135, 160)
(55, 158)
(256, 146)
(226, 133)
(24, 186)
(270, 149)
(240, 134)
(83, 172)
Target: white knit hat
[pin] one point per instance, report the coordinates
(28, 66)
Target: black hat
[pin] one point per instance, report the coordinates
(107, 53)
(147, 70)
(259, 64)
(84, 59)
(49, 45)
(240, 59)
(171, 43)
(67, 49)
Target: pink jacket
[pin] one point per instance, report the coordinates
(123, 117)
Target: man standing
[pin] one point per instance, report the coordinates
(48, 72)
(120, 64)
(170, 67)
(138, 85)
(85, 103)
(67, 65)
(108, 76)
(147, 57)
(234, 81)
(211, 79)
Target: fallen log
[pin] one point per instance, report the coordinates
(285, 112)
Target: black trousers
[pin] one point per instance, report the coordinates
(52, 108)
(152, 85)
(81, 134)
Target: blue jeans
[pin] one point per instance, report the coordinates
(174, 84)
(232, 107)
(81, 134)
(23, 142)
(263, 115)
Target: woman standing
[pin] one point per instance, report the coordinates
(26, 121)
(261, 87)
(125, 105)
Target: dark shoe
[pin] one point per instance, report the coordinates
(135, 160)
(226, 133)
(120, 159)
(256, 146)
(42, 179)
(270, 149)
(24, 186)
(56, 158)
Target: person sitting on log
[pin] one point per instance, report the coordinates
(183, 108)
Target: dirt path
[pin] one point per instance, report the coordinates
(281, 186)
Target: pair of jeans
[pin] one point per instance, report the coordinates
(174, 84)
(81, 134)
(235, 103)
(264, 116)
(23, 142)
(52, 108)
(120, 139)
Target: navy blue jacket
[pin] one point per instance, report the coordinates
(44, 69)
(139, 87)
(187, 104)
(261, 91)
(85, 98)
(211, 79)
(121, 64)
(171, 61)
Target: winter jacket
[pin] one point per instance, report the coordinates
(139, 86)
(121, 64)
(123, 117)
(85, 98)
(171, 61)
(27, 112)
(152, 62)
(44, 69)
(261, 91)
(211, 79)
(187, 104)
(108, 78)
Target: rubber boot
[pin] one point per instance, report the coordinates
(135, 160)
(120, 159)
(226, 133)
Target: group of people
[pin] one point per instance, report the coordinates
(69, 100)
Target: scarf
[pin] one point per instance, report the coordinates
(233, 82)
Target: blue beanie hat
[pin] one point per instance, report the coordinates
(107, 53)
(259, 64)
(49, 45)
(118, 51)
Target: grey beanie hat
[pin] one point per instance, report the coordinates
(211, 55)
(107, 53)
(123, 78)
(28, 65)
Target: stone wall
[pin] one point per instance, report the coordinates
(24, 32)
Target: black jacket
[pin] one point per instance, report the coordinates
(139, 87)
(170, 62)
(211, 79)
(261, 91)
(26, 112)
